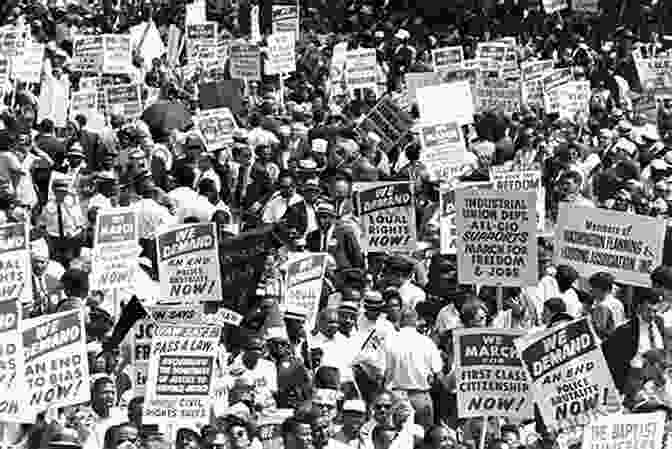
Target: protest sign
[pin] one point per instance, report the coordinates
(281, 57)
(88, 53)
(432, 101)
(27, 66)
(201, 41)
(217, 126)
(12, 41)
(499, 94)
(654, 72)
(269, 427)
(118, 53)
(115, 249)
(470, 75)
(447, 227)
(556, 78)
(360, 68)
(188, 263)
(388, 121)
(447, 58)
(223, 317)
(442, 146)
(534, 69)
(569, 100)
(570, 379)
(83, 102)
(4, 71)
(626, 245)
(497, 239)
(635, 430)
(415, 81)
(492, 51)
(532, 92)
(285, 19)
(491, 380)
(553, 6)
(56, 363)
(195, 13)
(173, 45)
(520, 181)
(303, 283)
(15, 267)
(245, 62)
(588, 6)
(53, 100)
(180, 374)
(387, 214)
(141, 337)
(124, 99)
(12, 387)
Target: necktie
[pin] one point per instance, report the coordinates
(242, 184)
(61, 232)
(652, 338)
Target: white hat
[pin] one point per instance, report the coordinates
(294, 312)
(626, 145)
(277, 333)
(373, 137)
(326, 396)
(379, 34)
(650, 132)
(354, 405)
(319, 145)
(402, 34)
(39, 249)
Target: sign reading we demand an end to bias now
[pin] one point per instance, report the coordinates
(189, 264)
(491, 380)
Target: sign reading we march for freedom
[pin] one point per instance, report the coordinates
(591, 240)
(491, 380)
(571, 381)
(387, 213)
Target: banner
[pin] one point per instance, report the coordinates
(15, 266)
(447, 58)
(654, 73)
(415, 81)
(12, 41)
(217, 126)
(553, 6)
(361, 69)
(303, 283)
(571, 381)
(189, 264)
(141, 336)
(245, 62)
(442, 146)
(388, 121)
(497, 239)
(432, 101)
(115, 249)
(12, 387)
(118, 53)
(534, 69)
(124, 99)
(626, 430)
(180, 374)
(520, 181)
(285, 19)
(387, 217)
(202, 41)
(56, 363)
(569, 101)
(626, 245)
(88, 53)
(498, 94)
(282, 56)
(491, 380)
(27, 66)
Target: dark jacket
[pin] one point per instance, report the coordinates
(343, 246)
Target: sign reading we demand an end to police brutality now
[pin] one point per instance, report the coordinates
(570, 379)
(491, 380)
(387, 216)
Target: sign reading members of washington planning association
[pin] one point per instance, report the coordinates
(387, 217)
(56, 363)
(626, 245)
(635, 430)
(115, 249)
(497, 239)
(189, 264)
(12, 387)
(180, 374)
(520, 181)
(141, 336)
(491, 380)
(303, 286)
(15, 266)
(571, 381)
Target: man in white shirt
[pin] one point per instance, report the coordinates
(286, 196)
(602, 285)
(412, 361)
(566, 277)
(47, 276)
(252, 366)
(398, 273)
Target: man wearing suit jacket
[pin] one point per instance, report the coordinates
(624, 349)
(335, 238)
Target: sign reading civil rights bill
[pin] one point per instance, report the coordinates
(626, 245)
(520, 181)
(497, 239)
(180, 374)
(15, 267)
(188, 264)
(217, 126)
(387, 217)
(141, 336)
(56, 363)
(12, 387)
(491, 380)
(115, 249)
(303, 286)
(633, 430)
(571, 381)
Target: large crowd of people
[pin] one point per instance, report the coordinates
(284, 181)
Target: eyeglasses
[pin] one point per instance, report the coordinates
(383, 406)
(240, 433)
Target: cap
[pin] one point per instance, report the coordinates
(354, 405)
(193, 141)
(626, 145)
(373, 300)
(649, 132)
(624, 126)
(348, 306)
(137, 153)
(325, 396)
(294, 312)
(39, 249)
(307, 165)
(106, 176)
(319, 146)
(277, 333)
(662, 275)
(400, 264)
(402, 34)
(238, 411)
(76, 150)
(325, 209)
